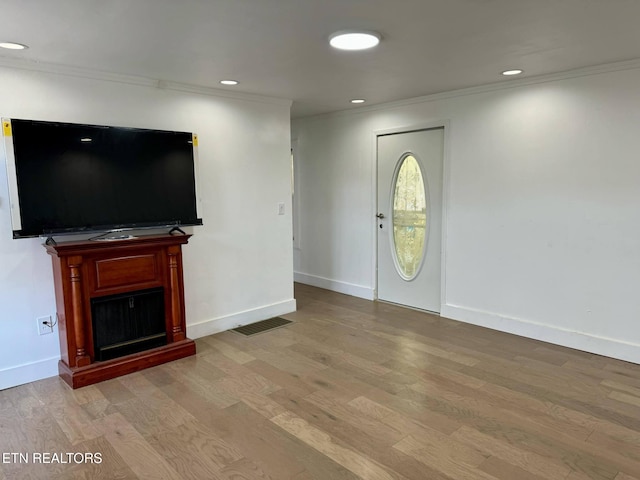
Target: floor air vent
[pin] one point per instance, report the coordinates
(263, 326)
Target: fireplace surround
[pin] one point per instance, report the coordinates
(97, 282)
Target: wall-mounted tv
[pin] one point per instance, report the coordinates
(69, 178)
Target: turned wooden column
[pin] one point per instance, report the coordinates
(176, 294)
(77, 312)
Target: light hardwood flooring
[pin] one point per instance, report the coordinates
(351, 390)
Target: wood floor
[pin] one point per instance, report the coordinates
(351, 390)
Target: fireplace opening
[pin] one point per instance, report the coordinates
(128, 323)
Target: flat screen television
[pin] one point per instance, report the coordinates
(69, 178)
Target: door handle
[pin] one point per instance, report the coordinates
(380, 215)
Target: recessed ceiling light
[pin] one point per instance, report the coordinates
(354, 40)
(515, 71)
(13, 46)
(86, 140)
(358, 100)
(229, 82)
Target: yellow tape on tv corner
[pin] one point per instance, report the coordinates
(6, 128)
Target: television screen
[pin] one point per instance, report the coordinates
(74, 178)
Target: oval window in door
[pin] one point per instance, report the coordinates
(410, 219)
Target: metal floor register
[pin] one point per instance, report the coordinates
(263, 326)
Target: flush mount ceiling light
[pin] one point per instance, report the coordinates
(229, 82)
(358, 100)
(352, 40)
(515, 71)
(13, 46)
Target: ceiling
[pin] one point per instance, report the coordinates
(279, 48)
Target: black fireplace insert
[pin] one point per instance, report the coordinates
(128, 323)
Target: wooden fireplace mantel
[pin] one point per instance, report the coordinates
(90, 269)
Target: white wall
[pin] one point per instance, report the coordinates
(237, 267)
(543, 217)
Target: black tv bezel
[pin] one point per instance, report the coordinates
(106, 228)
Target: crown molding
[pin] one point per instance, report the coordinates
(492, 87)
(211, 91)
(68, 70)
(79, 72)
(58, 69)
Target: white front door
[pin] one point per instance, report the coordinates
(409, 219)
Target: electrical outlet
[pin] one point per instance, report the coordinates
(45, 325)
(281, 208)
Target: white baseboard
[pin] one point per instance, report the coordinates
(28, 372)
(359, 291)
(609, 347)
(221, 324)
